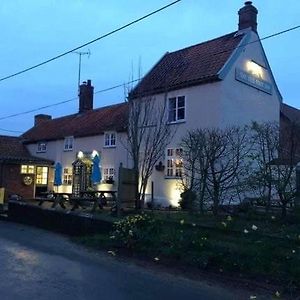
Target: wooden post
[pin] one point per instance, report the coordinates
(152, 195)
(119, 201)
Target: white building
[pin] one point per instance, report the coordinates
(221, 82)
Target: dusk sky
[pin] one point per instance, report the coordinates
(36, 30)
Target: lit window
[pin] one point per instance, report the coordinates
(67, 176)
(42, 147)
(108, 174)
(27, 169)
(68, 143)
(176, 109)
(41, 175)
(174, 162)
(110, 139)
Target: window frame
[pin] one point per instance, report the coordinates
(111, 138)
(67, 143)
(41, 147)
(177, 108)
(41, 176)
(28, 167)
(174, 170)
(108, 175)
(67, 176)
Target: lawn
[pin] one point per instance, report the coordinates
(263, 248)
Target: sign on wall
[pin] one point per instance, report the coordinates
(253, 81)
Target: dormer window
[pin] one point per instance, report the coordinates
(41, 147)
(110, 139)
(68, 143)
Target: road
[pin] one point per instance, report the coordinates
(37, 264)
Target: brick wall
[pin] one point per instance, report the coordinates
(12, 181)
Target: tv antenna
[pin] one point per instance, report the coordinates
(80, 53)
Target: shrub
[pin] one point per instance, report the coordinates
(188, 199)
(136, 230)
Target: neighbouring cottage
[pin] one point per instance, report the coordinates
(222, 82)
(75, 139)
(21, 173)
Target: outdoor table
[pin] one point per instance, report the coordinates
(98, 197)
(56, 198)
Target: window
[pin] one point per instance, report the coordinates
(174, 162)
(68, 143)
(176, 109)
(110, 139)
(42, 147)
(41, 175)
(27, 169)
(67, 176)
(109, 174)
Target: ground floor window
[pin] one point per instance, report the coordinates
(67, 176)
(42, 175)
(27, 169)
(174, 162)
(109, 173)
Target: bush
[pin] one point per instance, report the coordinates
(188, 199)
(136, 230)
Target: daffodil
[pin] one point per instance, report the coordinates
(113, 253)
(229, 218)
(182, 222)
(277, 294)
(156, 258)
(246, 231)
(254, 227)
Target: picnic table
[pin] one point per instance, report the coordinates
(56, 198)
(99, 198)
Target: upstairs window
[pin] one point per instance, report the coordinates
(174, 162)
(176, 109)
(68, 143)
(110, 139)
(41, 147)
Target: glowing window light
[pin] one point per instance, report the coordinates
(255, 69)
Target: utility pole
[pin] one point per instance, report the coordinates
(79, 53)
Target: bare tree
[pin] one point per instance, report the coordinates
(216, 158)
(148, 136)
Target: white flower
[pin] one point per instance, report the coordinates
(156, 258)
(252, 297)
(293, 251)
(254, 227)
(277, 294)
(229, 218)
(224, 224)
(182, 222)
(246, 231)
(273, 217)
(194, 224)
(113, 253)
(112, 237)
(130, 232)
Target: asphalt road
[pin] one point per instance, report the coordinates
(36, 264)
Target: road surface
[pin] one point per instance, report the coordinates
(37, 264)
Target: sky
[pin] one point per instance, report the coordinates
(36, 30)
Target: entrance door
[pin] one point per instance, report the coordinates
(82, 170)
(41, 180)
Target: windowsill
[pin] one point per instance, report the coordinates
(106, 147)
(173, 177)
(41, 151)
(176, 122)
(68, 150)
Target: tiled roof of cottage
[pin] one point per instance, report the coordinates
(13, 150)
(89, 123)
(290, 112)
(190, 66)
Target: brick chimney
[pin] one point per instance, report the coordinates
(39, 119)
(86, 96)
(248, 16)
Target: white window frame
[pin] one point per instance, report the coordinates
(110, 139)
(67, 176)
(174, 163)
(69, 143)
(109, 172)
(41, 147)
(177, 120)
(41, 178)
(27, 169)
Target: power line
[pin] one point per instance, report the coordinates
(135, 80)
(90, 42)
(63, 102)
(12, 131)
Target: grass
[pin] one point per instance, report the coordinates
(269, 250)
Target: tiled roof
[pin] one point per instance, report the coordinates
(13, 150)
(189, 66)
(290, 112)
(93, 122)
